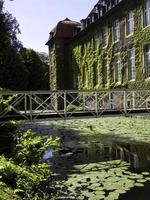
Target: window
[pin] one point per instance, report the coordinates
(130, 23)
(117, 68)
(95, 74)
(147, 61)
(146, 13)
(104, 37)
(116, 31)
(85, 76)
(131, 64)
(105, 71)
(96, 41)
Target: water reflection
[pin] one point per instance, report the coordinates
(88, 152)
(48, 154)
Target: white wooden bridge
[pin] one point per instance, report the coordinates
(31, 105)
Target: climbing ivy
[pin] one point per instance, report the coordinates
(80, 62)
(85, 59)
(53, 69)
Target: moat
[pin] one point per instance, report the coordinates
(101, 159)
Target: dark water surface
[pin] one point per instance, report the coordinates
(98, 149)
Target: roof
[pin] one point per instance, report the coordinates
(64, 29)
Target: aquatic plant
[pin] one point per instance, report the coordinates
(103, 180)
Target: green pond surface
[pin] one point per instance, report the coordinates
(105, 158)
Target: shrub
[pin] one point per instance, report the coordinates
(25, 174)
(8, 133)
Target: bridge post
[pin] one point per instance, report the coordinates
(25, 103)
(125, 102)
(65, 104)
(83, 104)
(96, 103)
(31, 111)
(110, 100)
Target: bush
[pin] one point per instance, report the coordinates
(71, 108)
(25, 174)
(8, 134)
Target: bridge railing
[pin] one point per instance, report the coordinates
(31, 105)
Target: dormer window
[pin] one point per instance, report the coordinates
(87, 21)
(113, 3)
(109, 5)
(83, 24)
(51, 34)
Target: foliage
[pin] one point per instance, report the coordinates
(25, 173)
(71, 108)
(30, 147)
(27, 182)
(7, 137)
(6, 193)
(20, 69)
(13, 74)
(37, 67)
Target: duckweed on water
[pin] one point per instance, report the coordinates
(127, 128)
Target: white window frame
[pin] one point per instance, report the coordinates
(116, 31)
(131, 65)
(129, 24)
(146, 14)
(117, 68)
(146, 62)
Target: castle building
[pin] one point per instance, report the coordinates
(110, 48)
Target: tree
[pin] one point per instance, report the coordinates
(37, 69)
(20, 68)
(13, 74)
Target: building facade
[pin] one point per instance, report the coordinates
(108, 49)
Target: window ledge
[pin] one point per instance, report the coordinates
(127, 36)
(104, 47)
(115, 42)
(132, 80)
(147, 26)
(147, 79)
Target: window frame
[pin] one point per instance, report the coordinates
(116, 31)
(146, 10)
(104, 34)
(132, 67)
(117, 71)
(147, 66)
(105, 71)
(129, 22)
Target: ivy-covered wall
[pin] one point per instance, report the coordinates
(52, 68)
(87, 61)
(57, 63)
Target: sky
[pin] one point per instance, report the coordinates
(38, 17)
